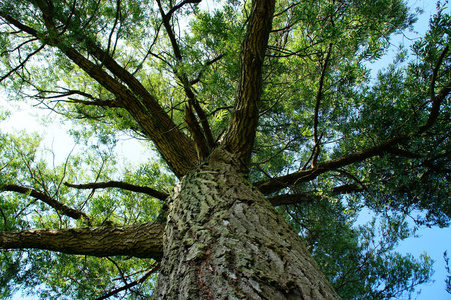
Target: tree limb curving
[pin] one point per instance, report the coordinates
(144, 241)
(122, 185)
(60, 207)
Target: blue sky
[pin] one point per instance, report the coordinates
(433, 241)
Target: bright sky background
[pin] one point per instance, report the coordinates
(434, 241)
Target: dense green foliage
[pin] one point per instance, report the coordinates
(319, 103)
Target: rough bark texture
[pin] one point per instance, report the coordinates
(224, 240)
(139, 241)
(240, 135)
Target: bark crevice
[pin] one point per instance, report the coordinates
(224, 240)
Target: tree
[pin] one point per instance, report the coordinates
(268, 128)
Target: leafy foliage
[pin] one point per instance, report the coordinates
(63, 276)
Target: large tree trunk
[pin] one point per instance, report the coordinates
(224, 240)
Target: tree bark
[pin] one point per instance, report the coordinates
(139, 241)
(240, 135)
(224, 240)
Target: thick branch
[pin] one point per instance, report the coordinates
(279, 183)
(122, 185)
(60, 207)
(202, 148)
(436, 100)
(287, 199)
(348, 189)
(240, 135)
(145, 241)
(174, 146)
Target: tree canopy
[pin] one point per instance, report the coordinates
(285, 87)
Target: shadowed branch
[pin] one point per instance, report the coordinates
(122, 185)
(145, 241)
(60, 207)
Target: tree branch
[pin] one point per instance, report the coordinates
(204, 141)
(240, 135)
(122, 185)
(348, 189)
(60, 207)
(275, 184)
(287, 199)
(208, 63)
(171, 142)
(202, 148)
(22, 64)
(144, 241)
(154, 269)
(175, 147)
(61, 94)
(279, 183)
(319, 97)
(180, 5)
(99, 103)
(436, 100)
